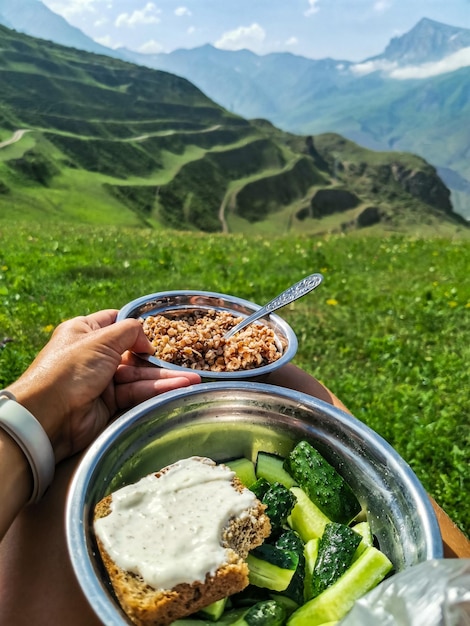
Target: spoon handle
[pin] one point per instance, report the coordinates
(292, 293)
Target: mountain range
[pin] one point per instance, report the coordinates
(393, 101)
(87, 137)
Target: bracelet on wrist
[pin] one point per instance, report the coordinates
(31, 437)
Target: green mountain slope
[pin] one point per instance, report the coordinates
(111, 142)
(427, 116)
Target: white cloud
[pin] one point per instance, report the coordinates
(71, 8)
(151, 47)
(361, 69)
(292, 41)
(191, 30)
(250, 37)
(148, 15)
(380, 6)
(108, 42)
(312, 7)
(453, 62)
(181, 11)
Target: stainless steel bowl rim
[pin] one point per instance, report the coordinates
(129, 310)
(76, 530)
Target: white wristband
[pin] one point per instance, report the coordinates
(31, 437)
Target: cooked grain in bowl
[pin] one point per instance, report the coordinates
(195, 340)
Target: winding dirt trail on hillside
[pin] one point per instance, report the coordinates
(17, 135)
(222, 219)
(170, 131)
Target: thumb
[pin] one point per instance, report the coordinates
(125, 335)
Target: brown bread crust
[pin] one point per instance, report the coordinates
(146, 606)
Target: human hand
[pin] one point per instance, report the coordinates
(86, 374)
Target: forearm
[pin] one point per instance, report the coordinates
(293, 377)
(15, 483)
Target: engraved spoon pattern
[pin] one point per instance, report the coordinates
(292, 293)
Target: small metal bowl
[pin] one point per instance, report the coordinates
(225, 420)
(180, 302)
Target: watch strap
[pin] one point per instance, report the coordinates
(31, 437)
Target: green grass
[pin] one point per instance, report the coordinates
(388, 331)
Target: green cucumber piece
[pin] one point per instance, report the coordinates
(336, 550)
(290, 540)
(322, 483)
(260, 487)
(229, 618)
(367, 538)
(336, 601)
(289, 604)
(213, 611)
(270, 467)
(310, 554)
(306, 518)
(244, 469)
(279, 502)
(271, 567)
(365, 531)
(266, 613)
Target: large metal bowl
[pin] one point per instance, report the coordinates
(232, 419)
(180, 302)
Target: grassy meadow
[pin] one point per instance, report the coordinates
(388, 331)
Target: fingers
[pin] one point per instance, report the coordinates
(124, 335)
(130, 374)
(74, 329)
(131, 394)
(100, 319)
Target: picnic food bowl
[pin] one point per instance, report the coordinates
(256, 351)
(231, 419)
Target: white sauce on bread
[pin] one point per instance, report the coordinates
(169, 529)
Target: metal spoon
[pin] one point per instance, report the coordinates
(292, 293)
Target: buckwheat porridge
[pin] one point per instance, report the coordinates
(195, 340)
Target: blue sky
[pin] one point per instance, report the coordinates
(342, 29)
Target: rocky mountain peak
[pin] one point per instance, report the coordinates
(427, 41)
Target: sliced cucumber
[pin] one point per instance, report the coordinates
(228, 619)
(244, 469)
(310, 553)
(271, 568)
(306, 518)
(322, 483)
(367, 538)
(213, 611)
(335, 554)
(336, 601)
(289, 604)
(265, 613)
(270, 467)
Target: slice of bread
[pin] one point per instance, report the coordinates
(148, 606)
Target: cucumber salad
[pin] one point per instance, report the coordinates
(320, 556)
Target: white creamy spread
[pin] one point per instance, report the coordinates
(169, 529)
